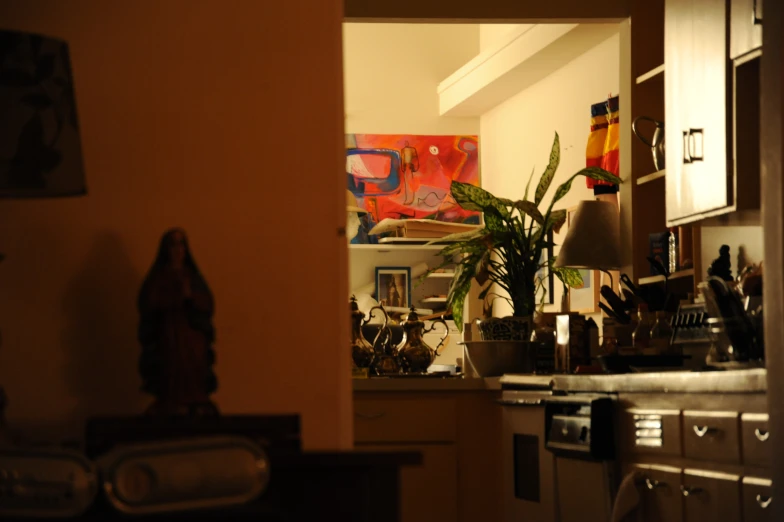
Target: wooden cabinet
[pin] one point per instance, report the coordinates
(756, 439)
(662, 492)
(427, 492)
(745, 27)
(711, 436)
(709, 496)
(757, 498)
(696, 115)
(458, 434)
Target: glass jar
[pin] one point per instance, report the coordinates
(641, 338)
(661, 335)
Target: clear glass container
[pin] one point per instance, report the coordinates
(641, 338)
(661, 335)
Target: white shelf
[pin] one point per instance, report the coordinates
(651, 177)
(650, 74)
(660, 278)
(442, 275)
(396, 248)
(433, 300)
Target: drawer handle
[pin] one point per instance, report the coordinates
(369, 416)
(688, 491)
(764, 501)
(653, 484)
(761, 435)
(701, 431)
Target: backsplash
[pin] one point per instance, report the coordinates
(745, 246)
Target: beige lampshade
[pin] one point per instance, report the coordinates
(593, 239)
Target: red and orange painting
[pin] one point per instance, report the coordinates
(408, 176)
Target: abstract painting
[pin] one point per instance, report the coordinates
(408, 177)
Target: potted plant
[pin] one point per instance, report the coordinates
(507, 251)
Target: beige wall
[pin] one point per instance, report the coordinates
(750, 238)
(392, 72)
(517, 134)
(219, 118)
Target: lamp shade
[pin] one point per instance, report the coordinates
(40, 147)
(593, 240)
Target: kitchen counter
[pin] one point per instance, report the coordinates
(406, 384)
(732, 381)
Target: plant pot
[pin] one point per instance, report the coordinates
(506, 328)
(496, 358)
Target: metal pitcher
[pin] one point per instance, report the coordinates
(362, 352)
(415, 354)
(656, 143)
(386, 359)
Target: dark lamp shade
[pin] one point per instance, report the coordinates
(40, 147)
(593, 240)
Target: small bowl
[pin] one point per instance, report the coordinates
(496, 358)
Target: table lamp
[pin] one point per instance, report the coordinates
(40, 148)
(593, 240)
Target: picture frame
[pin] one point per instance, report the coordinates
(393, 286)
(584, 300)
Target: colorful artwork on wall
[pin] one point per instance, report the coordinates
(407, 176)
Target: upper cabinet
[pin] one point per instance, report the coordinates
(696, 115)
(710, 99)
(745, 27)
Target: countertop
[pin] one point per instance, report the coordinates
(731, 381)
(381, 384)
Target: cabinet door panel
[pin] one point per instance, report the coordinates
(677, 61)
(757, 500)
(745, 26)
(709, 180)
(662, 494)
(709, 497)
(427, 492)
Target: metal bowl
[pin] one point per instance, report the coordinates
(495, 358)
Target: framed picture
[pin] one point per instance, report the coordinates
(584, 300)
(544, 274)
(393, 286)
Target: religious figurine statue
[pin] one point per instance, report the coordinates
(176, 332)
(721, 267)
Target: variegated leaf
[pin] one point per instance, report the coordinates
(459, 236)
(549, 172)
(528, 185)
(556, 220)
(568, 276)
(530, 209)
(590, 172)
(471, 197)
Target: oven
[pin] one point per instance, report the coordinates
(559, 456)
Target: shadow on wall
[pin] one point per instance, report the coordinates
(99, 339)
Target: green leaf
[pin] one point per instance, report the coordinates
(530, 209)
(549, 172)
(459, 236)
(460, 286)
(556, 220)
(568, 276)
(493, 221)
(528, 185)
(471, 197)
(590, 172)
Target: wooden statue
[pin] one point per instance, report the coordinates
(721, 267)
(176, 332)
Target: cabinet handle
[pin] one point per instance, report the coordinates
(688, 491)
(764, 501)
(701, 431)
(755, 18)
(761, 435)
(653, 484)
(686, 155)
(694, 136)
(369, 416)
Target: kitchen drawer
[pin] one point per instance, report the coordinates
(755, 435)
(405, 420)
(712, 436)
(662, 493)
(709, 496)
(757, 497)
(655, 432)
